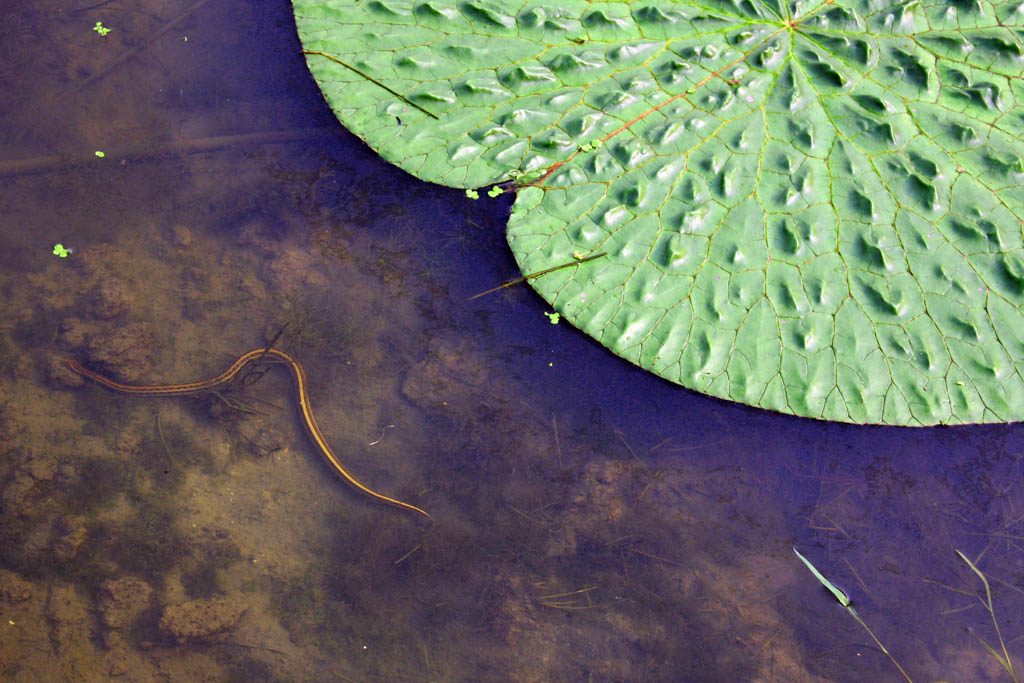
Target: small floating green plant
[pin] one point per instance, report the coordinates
(845, 602)
(101, 29)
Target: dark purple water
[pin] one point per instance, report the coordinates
(593, 522)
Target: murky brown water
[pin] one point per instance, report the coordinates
(593, 522)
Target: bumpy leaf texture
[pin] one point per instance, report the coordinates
(814, 208)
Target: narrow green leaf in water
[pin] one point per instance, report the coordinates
(845, 602)
(1004, 658)
(840, 595)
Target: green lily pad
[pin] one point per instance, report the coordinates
(814, 208)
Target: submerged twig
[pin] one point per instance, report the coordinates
(570, 600)
(558, 443)
(405, 557)
(253, 647)
(584, 259)
(272, 341)
(54, 162)
(163, 439)
(132, 52)
(235, 404)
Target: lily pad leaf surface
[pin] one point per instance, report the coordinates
(811, 207)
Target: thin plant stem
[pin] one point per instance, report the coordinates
(163, 439)
(1003, 659)
(51, 163)
(589, 257)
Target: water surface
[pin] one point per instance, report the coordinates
(592, 521)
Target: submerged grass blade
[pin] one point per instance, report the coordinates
(1003, 659)
(839, 594)
(1005, 663)
(845, 602)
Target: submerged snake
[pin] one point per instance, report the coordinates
(223, 378)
